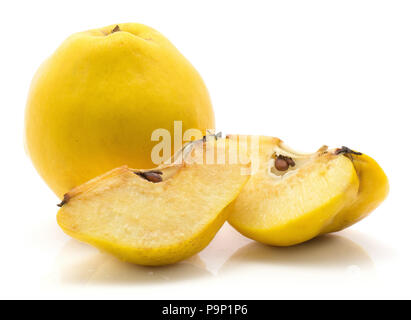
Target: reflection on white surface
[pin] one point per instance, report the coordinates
(227, 255)
(331, 252)
(81, 264)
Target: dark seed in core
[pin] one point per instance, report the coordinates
(290, 161)
(281, 164)
(152, 176)
(154, 171)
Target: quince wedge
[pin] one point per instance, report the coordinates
(293, 197)
(159, 216)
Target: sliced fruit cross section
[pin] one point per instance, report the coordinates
(154, 217)
(291, 197)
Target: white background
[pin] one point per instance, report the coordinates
(309, 72)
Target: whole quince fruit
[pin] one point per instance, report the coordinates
(94, 104)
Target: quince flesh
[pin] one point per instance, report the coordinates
(288, 203)
(158, 216)
(95, 102)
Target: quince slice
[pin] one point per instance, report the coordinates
(293, 197)
(159, 216)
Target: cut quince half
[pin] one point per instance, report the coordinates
(159, 216)
(292, 197)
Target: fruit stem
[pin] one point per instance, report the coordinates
(66, 199)
(345, 150)
(215, 135)
(116, 29)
